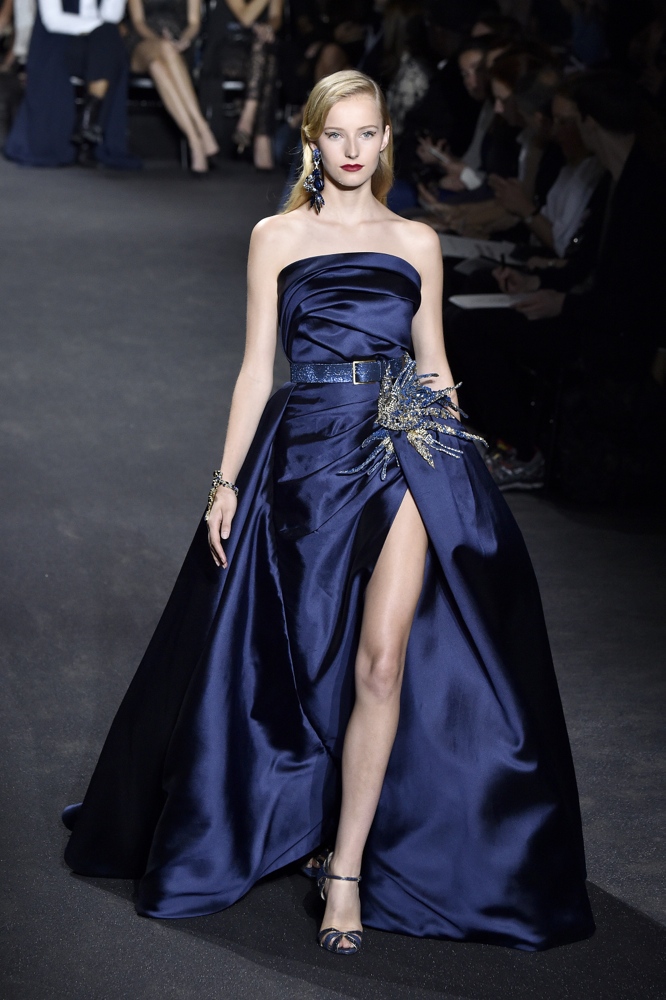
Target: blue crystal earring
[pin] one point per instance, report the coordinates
(314, 183)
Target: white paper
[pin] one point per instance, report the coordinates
(462, 246)
(497, 300)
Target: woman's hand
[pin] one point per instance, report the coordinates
(513, 282)
(219, 523)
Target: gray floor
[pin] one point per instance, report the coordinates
(122, 314)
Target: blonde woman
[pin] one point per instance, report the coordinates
(354, 653)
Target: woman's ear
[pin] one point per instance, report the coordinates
(385, 140)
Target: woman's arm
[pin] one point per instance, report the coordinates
(6, 12)
(275, 12)
(427, 332)
(193, 26)
(247, 13)
(137, 17)
(254, 383)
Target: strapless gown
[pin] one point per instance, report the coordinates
(222, 764)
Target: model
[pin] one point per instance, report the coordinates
(354, 652)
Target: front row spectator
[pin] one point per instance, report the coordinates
(256, 124)
(160, 33)
(608, 324)
(74, 38)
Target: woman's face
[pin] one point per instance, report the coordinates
(352, 140)
(504, 103)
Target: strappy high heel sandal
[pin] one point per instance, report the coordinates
(330, 938)
(314, 870)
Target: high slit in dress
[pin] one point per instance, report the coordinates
(223, 762)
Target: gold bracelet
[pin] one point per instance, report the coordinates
(218, 481)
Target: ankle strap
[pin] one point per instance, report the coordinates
(339, 878)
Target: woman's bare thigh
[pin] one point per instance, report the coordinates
(395, 586)
(146, 52)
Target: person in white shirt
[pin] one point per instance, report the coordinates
(74, 39)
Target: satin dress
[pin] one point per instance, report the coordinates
(223, 762)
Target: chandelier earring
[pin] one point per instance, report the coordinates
(314, 183)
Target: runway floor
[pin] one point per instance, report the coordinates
(122, 326)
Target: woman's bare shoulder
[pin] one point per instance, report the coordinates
(417, 243)
(422, 239)
(276, 238)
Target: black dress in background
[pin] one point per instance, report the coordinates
(167, 18)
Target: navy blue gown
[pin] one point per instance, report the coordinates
(222, 764)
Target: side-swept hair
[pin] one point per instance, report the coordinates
(325, 94)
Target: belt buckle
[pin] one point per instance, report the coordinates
(354, 379)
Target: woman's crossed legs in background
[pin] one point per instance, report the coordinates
(166, 66)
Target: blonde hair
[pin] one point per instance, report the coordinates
(331, 89)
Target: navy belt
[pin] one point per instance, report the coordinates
(358, 372)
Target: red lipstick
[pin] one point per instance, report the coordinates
(352, 167)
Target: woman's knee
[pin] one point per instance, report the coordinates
(168, 53)
(379, 672)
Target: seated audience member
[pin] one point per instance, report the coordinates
(562, 210)
(256, 124)
(492, 149)
(160, 33)
(66, 42)
(241, 46)
(446, 111)
(612, 323)
(523, 82)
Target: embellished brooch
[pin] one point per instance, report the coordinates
(406, 404)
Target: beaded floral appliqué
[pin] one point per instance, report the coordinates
(407, 405)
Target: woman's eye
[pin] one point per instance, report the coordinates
(368, 135)
(332, 135)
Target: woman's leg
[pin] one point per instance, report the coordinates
(245, 125)
(390, 603)
(149, 56)
(265, 123)
(183, 80)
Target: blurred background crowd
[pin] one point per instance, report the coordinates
(529, 133)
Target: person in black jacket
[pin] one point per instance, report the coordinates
(610, 323)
